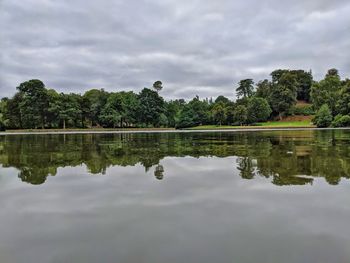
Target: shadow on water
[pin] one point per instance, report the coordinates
(287, 158)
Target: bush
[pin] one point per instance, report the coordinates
(323, 117)
(304, 111)
(258, 110)
(341, 121)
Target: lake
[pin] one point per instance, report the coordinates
(242, 197)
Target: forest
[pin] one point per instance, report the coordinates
(34, 106)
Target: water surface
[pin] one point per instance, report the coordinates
(274, 196)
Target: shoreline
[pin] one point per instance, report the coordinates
(119, 131)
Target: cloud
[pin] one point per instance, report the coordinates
(194, 47)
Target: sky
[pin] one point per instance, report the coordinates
(195, 47)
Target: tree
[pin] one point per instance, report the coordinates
(195, 113)
(303, 81)
(173, 109)
(158, 85)
(186, 118)
(341, 121)
(130, 104)
(343, 103)
(95, 100)
(240, 114)
(277, 74)
(33, 104)
(283, 94)
(263, 89)
(52, 116)
(151, 105)
(69, 111)
(12, 113)
(111, 113)
(258, 110)
(327, 91)
(219, 112)
(323, 117)
(222, 99)
(245, 88)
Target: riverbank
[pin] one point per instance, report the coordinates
(263, 125)
(101, 131)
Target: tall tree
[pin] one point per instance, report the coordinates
(258, 110)
(240, 114)
(151, 105)
(263, 89)
(219, 112)
(34, 103)
(158, 85)
(245, 88)
(283, 94)
(96, 100)
(327, 91)
(343, 104)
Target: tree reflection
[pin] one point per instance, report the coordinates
(286, 158)
(159, 172)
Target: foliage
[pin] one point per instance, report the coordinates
(323, 117)
(240, 115)
(151, 105)
(258, 110)
(341, 121)
(343, 103)
(158, 85)
(34, 106)
(327, 91)
(303, 110)
(245, 88)
(283, 93)
(219, 112)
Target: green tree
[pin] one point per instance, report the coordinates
(222, 99)
(283, 94)
(69, 110)
(240, 115)
(52, 116)
(258, 110)
(219, 112)
(158, 85)
(343, 103)
(263, 89)
(111, 113)
(195, 113)
(130, 104)
(151, 105)
(341, 121)
(95, 100)
(33, 104)
(327, 91)
(173, 109)
(245, 88)
(323, 117)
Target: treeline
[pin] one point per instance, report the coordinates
(36, 107)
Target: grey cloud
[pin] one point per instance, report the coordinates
(194, 47)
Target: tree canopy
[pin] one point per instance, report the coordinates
(34, 106)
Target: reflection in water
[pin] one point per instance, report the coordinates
(287, 158)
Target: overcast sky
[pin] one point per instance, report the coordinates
(199, 47)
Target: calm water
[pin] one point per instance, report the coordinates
(256, 197)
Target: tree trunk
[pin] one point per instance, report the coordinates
(64, 124)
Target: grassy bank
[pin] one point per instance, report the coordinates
(264, 125)
(87, 130)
